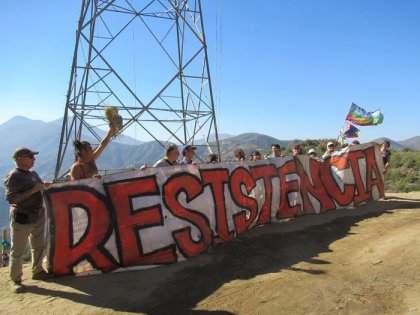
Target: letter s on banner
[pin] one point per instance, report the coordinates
(240, 176)
(191, 186)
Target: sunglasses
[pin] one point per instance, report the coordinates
(29, 156)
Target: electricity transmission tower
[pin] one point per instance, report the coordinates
(147, 58)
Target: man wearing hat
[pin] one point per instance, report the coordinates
(330, 150)
(27, 216)
(312, 153)
(188, 152)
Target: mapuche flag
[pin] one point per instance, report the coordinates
(351, 132)
(359, 116)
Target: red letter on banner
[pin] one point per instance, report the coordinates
(342, 198)
(130, 221)
(192, 188)
(286, 187)
(239, 177)
(317, 189)
(266, 172)
(217, 178)
(90, 246)
(362, 194)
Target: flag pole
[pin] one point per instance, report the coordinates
(342, 126)
(341, 131)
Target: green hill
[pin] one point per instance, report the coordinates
(404, 174)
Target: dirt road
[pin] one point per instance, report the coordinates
(353, 261)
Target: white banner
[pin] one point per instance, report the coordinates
(163, 215)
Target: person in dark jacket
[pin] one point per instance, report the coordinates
(27, 216)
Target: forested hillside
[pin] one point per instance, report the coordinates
(404, 174)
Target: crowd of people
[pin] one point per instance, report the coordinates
(85, 166)
(172, 154)
(24, 192)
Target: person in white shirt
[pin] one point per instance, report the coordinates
(330, 150)
(171, 157)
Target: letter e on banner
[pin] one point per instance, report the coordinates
(130, 221)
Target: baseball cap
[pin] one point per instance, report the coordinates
(21, 151)
(311, 151)
(187, 147)
(330, 143)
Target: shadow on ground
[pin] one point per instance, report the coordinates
(178, 288)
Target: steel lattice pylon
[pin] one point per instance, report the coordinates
(160, 84)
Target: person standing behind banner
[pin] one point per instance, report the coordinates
(312, 153)
(213, 158)
(171, 157)
(256, 156)
(297, 150)
(275, 151)
(85, 166)
(330, 150)
(27, 216)
(188, 152)
(239, 154)
(386, 155)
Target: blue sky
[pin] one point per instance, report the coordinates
(288, 69)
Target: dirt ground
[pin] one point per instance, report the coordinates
(354, 261)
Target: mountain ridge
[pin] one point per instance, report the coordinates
(129, 153)
(45, 137)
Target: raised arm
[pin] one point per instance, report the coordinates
(97, 152)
